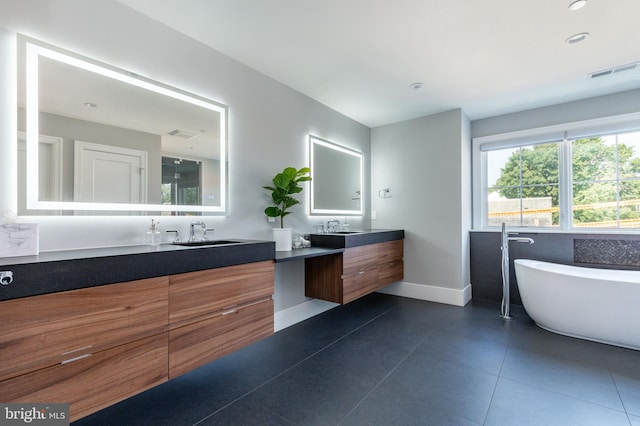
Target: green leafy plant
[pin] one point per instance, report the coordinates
(285, 184)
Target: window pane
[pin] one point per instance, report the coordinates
(593, 159)
(523, 186)
(595, 205)
(630, 204)
(629, 155)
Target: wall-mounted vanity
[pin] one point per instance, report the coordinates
(96, 138)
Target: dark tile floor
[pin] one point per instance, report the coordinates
(386, 360)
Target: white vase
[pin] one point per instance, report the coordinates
(282, 237)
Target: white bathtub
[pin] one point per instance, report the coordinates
(602, 305)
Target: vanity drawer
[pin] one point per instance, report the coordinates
(199, 343)
(359, 259)
(196, 296)
(390, 262)
(390, 272)
(390, 251)
(39, 331)
(358, 285)
(96, 381)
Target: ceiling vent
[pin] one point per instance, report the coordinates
(615, 70)
(183, 134)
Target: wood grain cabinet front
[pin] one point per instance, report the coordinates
(217, 311)
(94, 381)
(90, 347)
(358, 271)
(390, 262)
(39, 331)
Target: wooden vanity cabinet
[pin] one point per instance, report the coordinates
(90, 347)
(96, 346)
(215, 312)
(358, 271)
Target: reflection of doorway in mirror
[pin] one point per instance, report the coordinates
(109, 174)
(49, 176)
(181, 181)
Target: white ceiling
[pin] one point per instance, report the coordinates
(359, 57)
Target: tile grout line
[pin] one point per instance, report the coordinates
(387, 375)
(499, 376)
(292, 367)
(613, 379)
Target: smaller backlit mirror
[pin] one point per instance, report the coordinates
(336, 185)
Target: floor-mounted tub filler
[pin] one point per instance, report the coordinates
(506, 293)
(594, 304)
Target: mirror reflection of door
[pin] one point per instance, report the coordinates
(181, 181)
(109, 174)
(50, 173)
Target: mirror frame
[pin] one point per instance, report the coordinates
(313, 211)
(33, 50)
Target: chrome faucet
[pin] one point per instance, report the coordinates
(519, 239)
(192, 235)
(332, 225)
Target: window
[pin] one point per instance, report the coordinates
(582, 175)
(606, 181)
(523, 186)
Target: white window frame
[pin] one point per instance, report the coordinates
(561, 132)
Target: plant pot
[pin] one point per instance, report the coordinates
(282, 237)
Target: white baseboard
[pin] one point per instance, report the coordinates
(431, 293)
(297, 313)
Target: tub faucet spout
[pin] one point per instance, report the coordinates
(521, 239)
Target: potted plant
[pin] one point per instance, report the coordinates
(285, 185)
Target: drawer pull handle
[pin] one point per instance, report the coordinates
(230, 311)
(78, 358)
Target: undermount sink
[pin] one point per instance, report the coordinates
(205, 243)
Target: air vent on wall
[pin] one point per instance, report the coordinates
(183, 134)
(615, 70)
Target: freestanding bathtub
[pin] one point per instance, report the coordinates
(602, 305)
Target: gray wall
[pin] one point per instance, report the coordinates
(269, 122)
(425, 163)
(586, 109)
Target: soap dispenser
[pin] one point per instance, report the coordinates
(153, 235)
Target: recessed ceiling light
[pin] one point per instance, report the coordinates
(577, 38)
(577, 4)
(90, 105)
(416, 86)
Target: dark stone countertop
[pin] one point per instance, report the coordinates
(356, 238)
(55, 271)
(304, 253)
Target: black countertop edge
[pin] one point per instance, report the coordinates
(85, 253)
(52, 272)
(357, 238)
(303, 253)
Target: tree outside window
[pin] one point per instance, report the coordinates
(605, 183)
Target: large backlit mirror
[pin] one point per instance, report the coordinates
(94, 139)
(336, 185)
